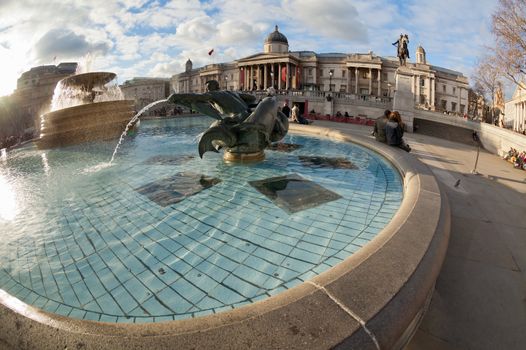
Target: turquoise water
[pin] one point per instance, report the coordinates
(163, 235)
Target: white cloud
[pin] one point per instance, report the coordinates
(144, 37)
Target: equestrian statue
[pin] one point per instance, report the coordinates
(402, 50)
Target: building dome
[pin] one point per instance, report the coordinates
(420, 49)
(276, 37)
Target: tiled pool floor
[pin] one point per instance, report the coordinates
(106, 246)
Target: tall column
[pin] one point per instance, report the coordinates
(459, 98)
(379, 81)
(287, 81)
(265, 73)
(417, 95)
(370, 81)
(433, 90)
(348, 80)
(356, 80)
(257, 77)
(279, 76)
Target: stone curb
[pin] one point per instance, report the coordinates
(372, 300)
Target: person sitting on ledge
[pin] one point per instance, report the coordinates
(394, 132)
(379, 126)
(346, 115)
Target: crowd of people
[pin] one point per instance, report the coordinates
(389, 129)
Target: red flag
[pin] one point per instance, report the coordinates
(210, 52)
(284, 73)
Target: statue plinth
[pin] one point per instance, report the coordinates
(404, 98)
(236, 157)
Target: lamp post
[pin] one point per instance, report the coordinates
(331, 72)
(226, 82)
(272, 79)
(389, 89)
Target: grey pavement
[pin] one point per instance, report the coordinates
(480, 295)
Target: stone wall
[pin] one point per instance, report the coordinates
(494, 139)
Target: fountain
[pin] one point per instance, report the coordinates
(84, 108)
(243, 128)
(324, 243)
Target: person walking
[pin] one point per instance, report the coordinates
(286, 109)
(295, 112)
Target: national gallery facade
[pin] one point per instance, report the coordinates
(349, 78)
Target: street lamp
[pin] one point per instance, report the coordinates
(389, 89)
(331, 72)
(226, 82)
(272, 79)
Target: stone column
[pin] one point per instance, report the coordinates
(432, 87)
(370, 81)
(356, 80)
(265, 73)
(279, 76)
(417, 92)
(459, 98)
(379, 80)
(348, 80)
(287, 81)
(257, 77)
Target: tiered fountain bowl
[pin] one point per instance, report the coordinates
(93, 115)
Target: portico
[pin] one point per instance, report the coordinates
(261, 72)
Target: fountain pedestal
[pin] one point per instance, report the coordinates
(243, 157)
(88, 120)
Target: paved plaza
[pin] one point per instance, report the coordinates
(480, 297)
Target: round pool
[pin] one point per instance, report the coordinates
(162, 234)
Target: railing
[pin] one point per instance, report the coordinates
(342, 97)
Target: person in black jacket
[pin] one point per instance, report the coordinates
(286, 109)
(379, 126)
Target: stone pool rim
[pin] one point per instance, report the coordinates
(373, 299)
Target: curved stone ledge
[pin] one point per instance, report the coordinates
(374, 299)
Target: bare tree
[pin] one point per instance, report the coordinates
(486, 78)
(509, 28)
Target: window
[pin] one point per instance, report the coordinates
(310, 72)
(444, 88)
(422, 82)
(454, 90)
(365, 74)
(343, 74)
(384, 76)
(453, 106)
(364, 91)
(343, 88)
(443, 104)
(462, 108)
(423, 99)
(321, 72)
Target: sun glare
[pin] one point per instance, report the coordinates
(11, 66)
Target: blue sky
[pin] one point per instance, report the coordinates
(155, 38)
